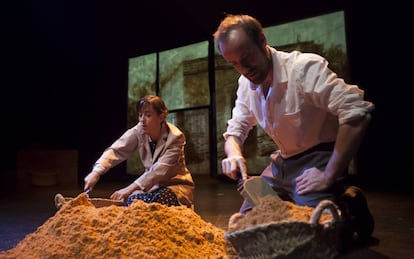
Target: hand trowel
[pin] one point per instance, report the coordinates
(254, 188)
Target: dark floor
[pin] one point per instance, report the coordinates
(215, 201)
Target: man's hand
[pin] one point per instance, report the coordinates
(311, 180)
(232, 165)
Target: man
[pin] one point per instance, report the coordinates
(315, 118)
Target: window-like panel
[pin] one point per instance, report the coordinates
(184, 76)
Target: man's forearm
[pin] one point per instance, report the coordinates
(233, 146)
(346, 146)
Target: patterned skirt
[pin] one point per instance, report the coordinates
(163, 195)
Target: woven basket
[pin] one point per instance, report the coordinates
(97, 202)
(289, 239)
(101, 202)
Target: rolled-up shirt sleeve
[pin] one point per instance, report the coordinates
(325, 89)
(242, 120)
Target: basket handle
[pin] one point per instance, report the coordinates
(325, 204)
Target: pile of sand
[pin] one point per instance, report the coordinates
(80, 230)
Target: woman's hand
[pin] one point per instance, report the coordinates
(90, 180)
(124, 193)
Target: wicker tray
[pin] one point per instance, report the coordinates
(289, 239)
(97, 202)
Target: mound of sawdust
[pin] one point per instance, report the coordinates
(273, 209)
(80, 230)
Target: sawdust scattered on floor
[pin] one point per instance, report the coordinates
(80, 230)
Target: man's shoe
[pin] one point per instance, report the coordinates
(356, 213)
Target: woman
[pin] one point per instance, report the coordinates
(160, 144)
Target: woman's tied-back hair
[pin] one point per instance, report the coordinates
(157, 103)
(251, 26)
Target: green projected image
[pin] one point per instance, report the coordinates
(184, 76)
